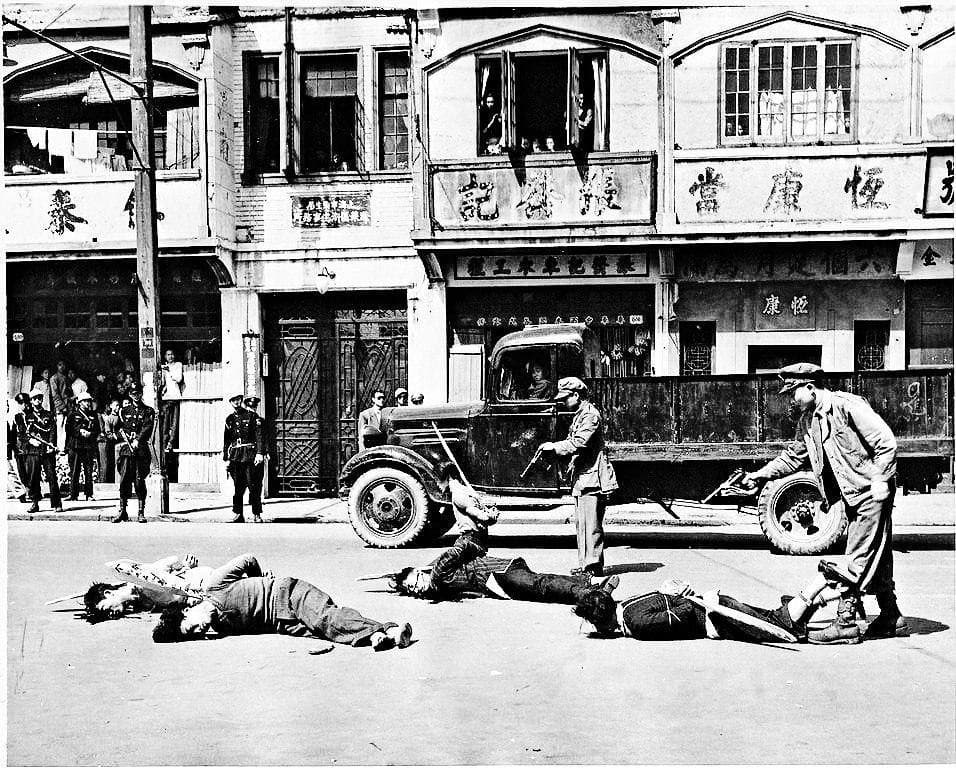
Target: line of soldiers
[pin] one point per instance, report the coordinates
(244, 449)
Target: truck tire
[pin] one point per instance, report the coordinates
(388, 508)
(795, 518)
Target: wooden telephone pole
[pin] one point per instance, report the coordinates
(147, 250)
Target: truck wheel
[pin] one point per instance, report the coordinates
(388, 508)
(795, 518)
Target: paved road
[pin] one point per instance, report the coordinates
(487, 682)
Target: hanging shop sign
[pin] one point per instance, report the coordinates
(799, 188)
(938, 192)
(809, 262)
(545, 267)
(547, 191)
(341, 209)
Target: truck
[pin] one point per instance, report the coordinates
(669, 438)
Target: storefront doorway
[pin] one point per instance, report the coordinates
(771, 358)
(327, 356)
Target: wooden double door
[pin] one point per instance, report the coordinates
(327, 356)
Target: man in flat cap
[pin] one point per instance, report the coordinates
(852, 452)
(244, 451)
(592, 476)
(135, 429)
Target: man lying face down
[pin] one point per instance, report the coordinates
(241, 601)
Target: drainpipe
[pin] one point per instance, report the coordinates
(289, 50)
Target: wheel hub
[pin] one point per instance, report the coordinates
(387, 506)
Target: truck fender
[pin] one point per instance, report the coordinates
(396, 456)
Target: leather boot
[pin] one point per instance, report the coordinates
(34, 508)
(122, 517)
(842, 630)
(238, 518)
(890, 622)
(141, 516)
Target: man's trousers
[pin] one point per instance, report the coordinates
(132, 469)
(81, 460)
(589, 518)
(869, 544)
(319, 616)
(519, 582)
(33, 465)
(247, 474)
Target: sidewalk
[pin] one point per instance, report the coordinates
(936, 510)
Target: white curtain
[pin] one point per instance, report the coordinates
(834, 114)
(770, 113)
(484, 71)
(600, 101)
(803, 120)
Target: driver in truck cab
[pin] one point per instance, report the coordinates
(852, 452)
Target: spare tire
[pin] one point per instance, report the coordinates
(388, 508)
(795, 518)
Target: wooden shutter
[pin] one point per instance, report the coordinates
(574, 80)
(508, 100)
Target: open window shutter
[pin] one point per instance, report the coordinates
(508, 100)
(359, 133)
(574, 80)
(182, 137)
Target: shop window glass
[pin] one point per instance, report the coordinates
(625, 351)
(870, 341)
(262, 130)
(796, 100)
(331, 115)
(111, 312)
(393, 110)
(46, 313)
(77, 313)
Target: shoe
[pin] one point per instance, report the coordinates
(141, 515)
(401, 635)
(22, 498)
(238, 518)
(589, 570)
(57, 509)
(72, 498)
(257, 518)
(887, 625)
(122, 517)
(89, 497)
(837, 632)
(610, 583)
(34, 508)
(382, 641)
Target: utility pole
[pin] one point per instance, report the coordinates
(147, 250)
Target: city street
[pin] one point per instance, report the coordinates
(486, 682)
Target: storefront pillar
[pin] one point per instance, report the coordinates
(428, 341)
(666, 355)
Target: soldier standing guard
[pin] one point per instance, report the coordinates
(82, 432)
(244, 449)
(135, 428)
(592, 476)
(36, 438)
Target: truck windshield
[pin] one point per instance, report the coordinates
(525, 374)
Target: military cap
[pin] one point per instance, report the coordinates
(236, 397)
(37, 392)
(83, 396)
(798, 374)
(252, 401)
(569, 385)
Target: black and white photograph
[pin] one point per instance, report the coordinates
(479, 384)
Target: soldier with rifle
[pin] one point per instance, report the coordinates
(244, 451)
(82, 433)
(36, 438)
(135, 428)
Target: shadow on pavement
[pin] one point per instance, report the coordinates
(920, 626)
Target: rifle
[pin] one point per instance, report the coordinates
(122, 433)
(730, 487)
(33, 435)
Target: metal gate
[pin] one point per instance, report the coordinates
(326, 371)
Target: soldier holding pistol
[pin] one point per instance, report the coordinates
(134, 429)
(36, 439)
(244, 449)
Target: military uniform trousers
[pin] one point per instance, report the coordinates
(33, 465)
(869, 543)
(589, 519)
(247, 474)
(81, 459)
(133, 468)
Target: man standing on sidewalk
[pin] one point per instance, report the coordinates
(36, 436)
(60, 394)
(135, 429)
(173, 380)
(592, 476)
(244, 449)
(852, 452)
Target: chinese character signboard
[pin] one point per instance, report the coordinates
(544, 191)
(873, 261)
(785, 307)
(550, 266)
(938, 194)
(341, 209)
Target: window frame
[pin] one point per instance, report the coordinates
(788, 44)
(377, 85)
(298, 86)
(572, 64)
(250, 172)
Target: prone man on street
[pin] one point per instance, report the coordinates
(135, 429)
(852, 452)
(244, 450)
(592, 476)
(36, 440)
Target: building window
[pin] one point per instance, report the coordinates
(393, 110)
(262, 128)
(542, 102)
(871, 338)
(794, 92)
(331, 126)
(697, 348)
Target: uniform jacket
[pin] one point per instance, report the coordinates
(136, 421)
(248, 602)
(60, 392)
(592, 471)
(243, 437)
(37, 423)
(857, 442)
(76, 421)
